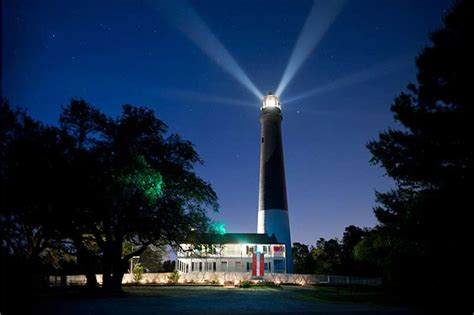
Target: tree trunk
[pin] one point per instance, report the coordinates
(114, 267)
(91, 281)
(85, 259)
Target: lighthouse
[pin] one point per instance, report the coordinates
(272, 201)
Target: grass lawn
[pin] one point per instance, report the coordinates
(370, 295)
(212, 300)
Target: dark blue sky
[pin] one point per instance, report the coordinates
(117, 52)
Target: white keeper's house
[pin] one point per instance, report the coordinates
(235, 252)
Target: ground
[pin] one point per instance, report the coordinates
(215, 300)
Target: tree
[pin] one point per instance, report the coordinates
(96, 182)
(169, 265)
(421, 221)
(327, 256)
(352, 265)
(145, 189)
(29, 159)
(302, 259)
(152, 259)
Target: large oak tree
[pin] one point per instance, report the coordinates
(94, 182)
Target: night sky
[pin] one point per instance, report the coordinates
(115, 52)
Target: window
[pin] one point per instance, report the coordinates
(279, 266)
(224, 266)
(238, 266)
(200, 266)
(214, 266)
(249, 266)
(251, 249)
(267, 266)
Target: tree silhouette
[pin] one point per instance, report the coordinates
(302, 259)
(421, 221)
(95, 182)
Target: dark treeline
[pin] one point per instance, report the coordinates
(75, 194)
(420, 245)
(335, 257)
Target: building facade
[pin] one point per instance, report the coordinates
(233, 252)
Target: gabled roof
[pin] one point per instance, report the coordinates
(248, 238)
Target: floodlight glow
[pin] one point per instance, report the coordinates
(270, 100)
(322, 14)
(218, 228)
(183, 16)
(378, 70)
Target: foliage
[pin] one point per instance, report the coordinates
(346, 257)
(152, 258)
(245, 284)
(141, 178)
(174, 277)
(303, 261)
(430, 158)
(327, 256)
(137, 272)
(169, 265)
(94, 182)
(218, 228)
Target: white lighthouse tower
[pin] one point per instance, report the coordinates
(272, 201)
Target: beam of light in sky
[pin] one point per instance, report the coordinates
(322, 15)
(186, 19)
(378, 70)
(204, 98)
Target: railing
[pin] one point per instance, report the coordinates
(348, 280)
(222, 277)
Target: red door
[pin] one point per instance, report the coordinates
(258, 265)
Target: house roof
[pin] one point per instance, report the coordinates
(249, 238)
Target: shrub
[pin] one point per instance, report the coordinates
(174, 277)
(245, 284)
(137, 272)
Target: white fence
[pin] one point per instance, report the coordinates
(226, 278)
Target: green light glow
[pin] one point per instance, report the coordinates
(145, 180)
(219, 228)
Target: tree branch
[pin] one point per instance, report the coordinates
(138, 251)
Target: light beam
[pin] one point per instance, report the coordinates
(378, 70)
(186, 19)
(322, 15)
(204, 98)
